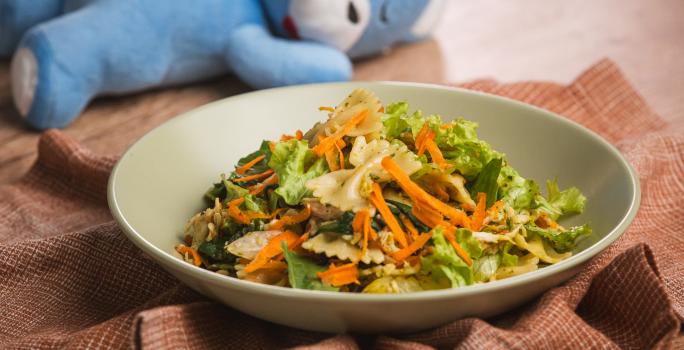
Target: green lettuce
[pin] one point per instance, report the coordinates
(485, 267)
(508, 259)
(515, 190)
(301, 272)
(444, 266)
(486, 182)
(394, 120)
(560, 202)
(469, 243)
(561, 240)
(295, 164)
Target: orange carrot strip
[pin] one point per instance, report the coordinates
(272, 248)
(379, 202)
(428, 216)
(340, 145)
(258, 188)
(291, 219)
(340, 275)
(440, 191)
(402, 254)
(409, 226)
(381, 109)
(331, 159)
(449, 234)
(445, 126)
(477, 219)
(183, 249)
(271, 146)
(301, 240)
(494, 210)
(326, 108)
(274, 265)
(299, 135)
(329, 142)
(422, 198)
(435, 153)
(361, 224)
(243, 168)
(258, 176)
(420, 139)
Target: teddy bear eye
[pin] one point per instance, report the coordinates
(352, 14)
(383, 12)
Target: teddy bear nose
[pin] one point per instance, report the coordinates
(290, 27)
(352, 14)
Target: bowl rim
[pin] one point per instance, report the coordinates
(166, 259)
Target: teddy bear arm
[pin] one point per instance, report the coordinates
(263, 61)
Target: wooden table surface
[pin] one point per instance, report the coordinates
(503, 40)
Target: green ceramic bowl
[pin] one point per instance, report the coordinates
(159, 182)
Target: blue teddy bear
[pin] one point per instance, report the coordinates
(66, 52)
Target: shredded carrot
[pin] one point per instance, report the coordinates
(451, 237)
(340, 145)
(422, 199)
(245, 217)
(258, 176)
(381, 109)
(420, 138)
(271, 146)
(237, 201)
(329, 142)
(258, 188)
(299, 135)
(301, 240)
(379, 202)
(413, 260)
(439, 190)
(272, 248)
(445, 126)
(291, 219)
(285, 137)
(477, 219)
(494, 210)
(337, 276)
(428, 216)
(274, 265)
(402, 254)
(409, 226)
(243, 168)
(331, 159)
(326, 108)
(435, 153)
(183, 249)
(360, 224)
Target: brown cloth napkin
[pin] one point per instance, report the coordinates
(69, 277)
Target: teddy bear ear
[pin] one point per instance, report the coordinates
(427, 21)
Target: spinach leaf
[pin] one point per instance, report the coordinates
(343, 225)
(486, 181)
(301, 272)
(214, 250)
(396, 208)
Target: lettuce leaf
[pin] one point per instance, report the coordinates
(560, 202)
(465, 238)
(486, 182)
(444, 266)
(508, 259)
(295, 164)
(515, 190)
(301, 272)
(485, 267)
(394, 121)
(561, 241)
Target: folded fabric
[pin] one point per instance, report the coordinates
(69, 277)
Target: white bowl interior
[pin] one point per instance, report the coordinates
(158, 184)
